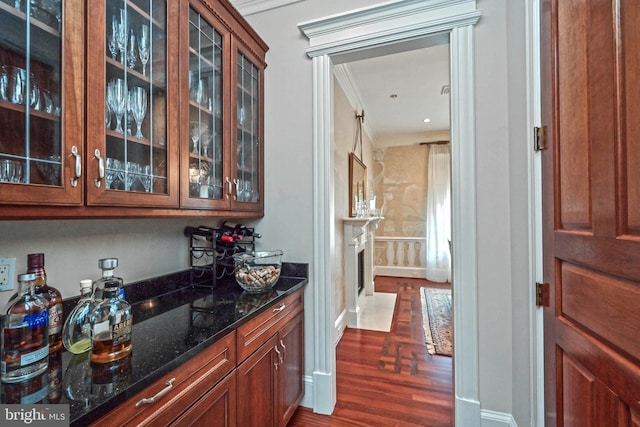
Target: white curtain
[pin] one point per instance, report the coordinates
(438, 230)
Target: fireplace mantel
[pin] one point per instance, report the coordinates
(358, 236)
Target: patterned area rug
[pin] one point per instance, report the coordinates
(436, 320)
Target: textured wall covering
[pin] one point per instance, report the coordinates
(401, 190)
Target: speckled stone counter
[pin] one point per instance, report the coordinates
(173, 321)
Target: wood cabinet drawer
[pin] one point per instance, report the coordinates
(192, 380)
(254, 333)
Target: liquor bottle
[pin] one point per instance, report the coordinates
(203, 232)
(35, 264)
(107, 265)
(240, 230)
(25, 334)
(111, 324)
(76, 332)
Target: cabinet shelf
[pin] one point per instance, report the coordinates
(20, 108)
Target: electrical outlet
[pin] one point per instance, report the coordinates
(7, 273)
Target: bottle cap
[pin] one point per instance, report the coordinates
(85, 283)
(107, 263)
(35, 260)
(27, 277)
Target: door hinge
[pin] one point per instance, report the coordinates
(539, 138)
(542, 294)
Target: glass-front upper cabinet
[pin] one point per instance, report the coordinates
(204, 112)
(247, 167)
(132, 154)
(41, 109)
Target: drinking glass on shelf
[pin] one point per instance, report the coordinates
(116, 91)
(107, 114)
(139, 107)
(113, 38)
(7, 170)
(143, 47)
(121, 35)
(146, 177)
(201, 94)
(131, 56)
(4, 83)
(131, 174)
(205, 139)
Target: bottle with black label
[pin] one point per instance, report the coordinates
(107, 265)
(35, 264)
(25, 334)
(111, 325)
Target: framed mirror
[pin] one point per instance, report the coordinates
(357, 183)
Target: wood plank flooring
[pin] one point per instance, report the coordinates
(389, 379)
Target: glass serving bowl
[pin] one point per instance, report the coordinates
(258, 271)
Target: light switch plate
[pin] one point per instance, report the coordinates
(7, 273)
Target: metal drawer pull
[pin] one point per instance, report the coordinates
(78, 166)
(100, 168)
(284, 350)
(158, 394)
(279, 309)
(275, 347)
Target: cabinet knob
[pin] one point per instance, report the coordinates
(100, 168)
(158, 395)
(78, 166)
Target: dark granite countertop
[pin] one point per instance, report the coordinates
(173, 321)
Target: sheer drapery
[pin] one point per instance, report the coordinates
(438, 230)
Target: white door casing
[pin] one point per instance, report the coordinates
(374, 27)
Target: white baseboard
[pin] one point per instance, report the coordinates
(340, 325)
(496, 419)
(412, 272)
(307, 399)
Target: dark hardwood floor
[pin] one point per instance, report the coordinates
(389, 379)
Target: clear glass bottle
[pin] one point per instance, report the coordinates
(76, 332)
(25, 331)
(35, 264)
(107, 265)
(111, 324)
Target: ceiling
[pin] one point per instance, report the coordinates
(416, 77)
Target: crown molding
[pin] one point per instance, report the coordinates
(250, 7)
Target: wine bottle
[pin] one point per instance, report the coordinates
(35, 265)
(240, 230)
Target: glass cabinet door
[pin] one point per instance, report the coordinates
(203, 122)
(247, 171)
(36, 85)
(132, 155)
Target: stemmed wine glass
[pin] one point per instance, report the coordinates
(117, 93)
(143, 47)
(146, 178)
(138, 107)
(121, 35)
(131, 56)
(113, 38)
(195, 136)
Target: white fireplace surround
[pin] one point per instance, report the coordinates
(358, 236)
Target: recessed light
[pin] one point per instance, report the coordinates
(427, 120)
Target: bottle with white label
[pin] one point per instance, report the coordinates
(25, 333)
(111, 325)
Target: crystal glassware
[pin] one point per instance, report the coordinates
(139, 107)
(116, 91)
(113, 38)
(121, 35)
(131, 51)
(143, 47)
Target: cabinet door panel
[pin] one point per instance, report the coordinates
(217, 408)
(257, 387)
(41, 102)
(133, 155)
(291, 340)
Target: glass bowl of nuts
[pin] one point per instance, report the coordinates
(258, 271)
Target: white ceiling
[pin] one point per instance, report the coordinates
(417, 77)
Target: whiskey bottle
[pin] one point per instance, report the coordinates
(35, 264)
(107, 265)
(111, 324)
(25, 331)
(76, 332)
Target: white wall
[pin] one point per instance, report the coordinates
(500, 109)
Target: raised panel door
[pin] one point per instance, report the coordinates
(291, 369)
(41, 102)
(217, 408)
